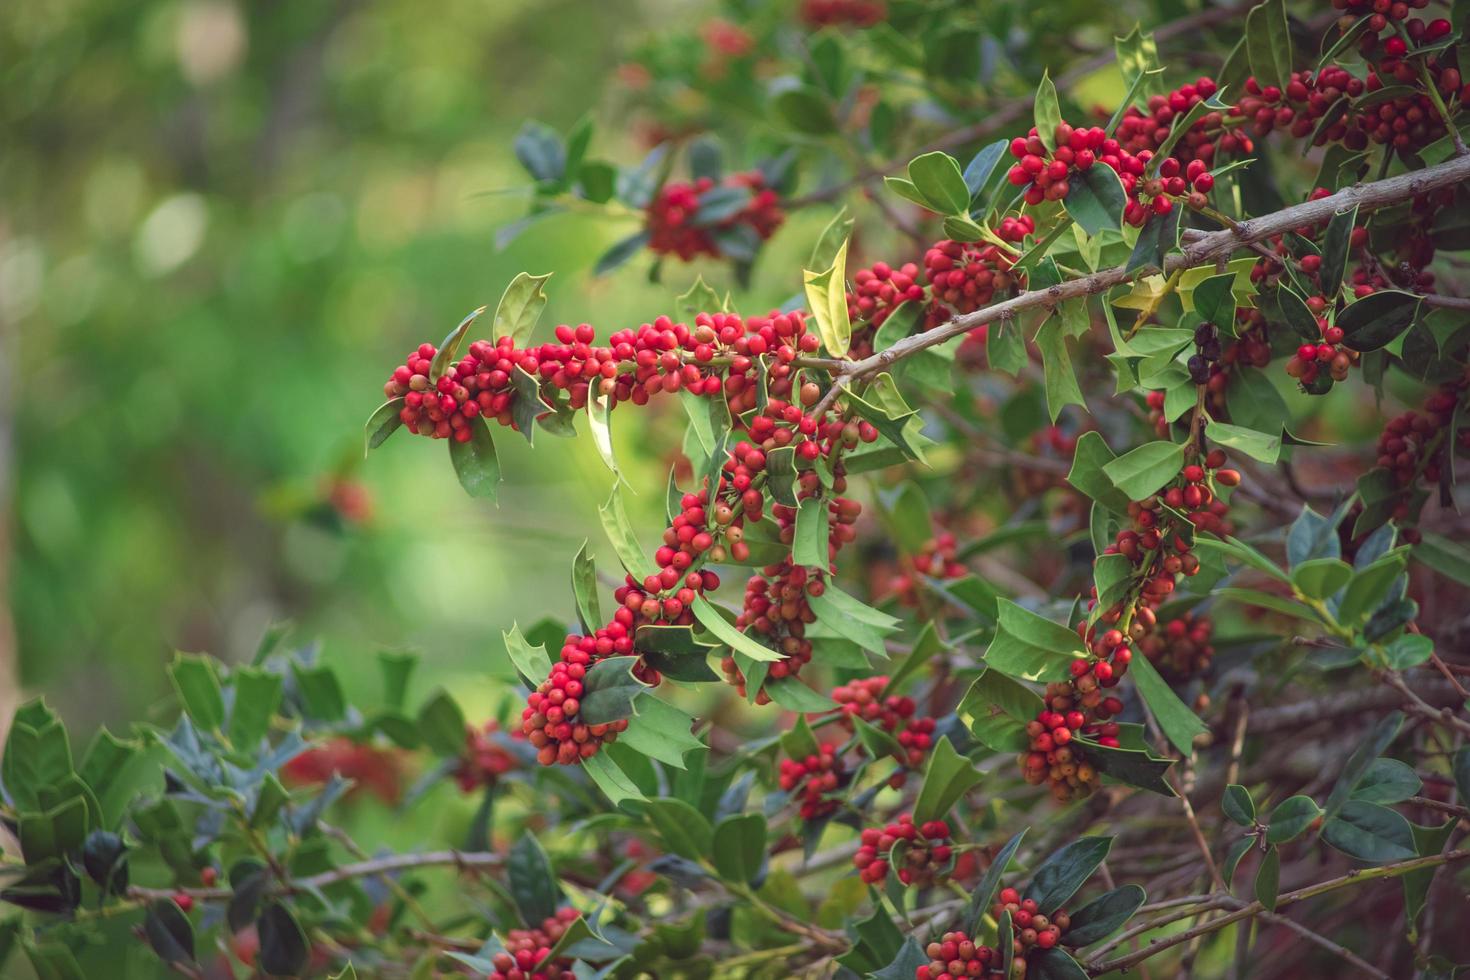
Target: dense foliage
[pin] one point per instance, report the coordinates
(1099, 609)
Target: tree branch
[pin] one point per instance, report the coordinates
(1203, 250)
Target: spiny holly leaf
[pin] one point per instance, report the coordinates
(676, 652)
(1135, 767)
(1030, 647)
(1067, 870)
(660, 731)
(608, 691)
(947, 777)
(826, 294)
(1141, 471)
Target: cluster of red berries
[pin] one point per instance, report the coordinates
(659, 357)
(863, 698)
(880, 289)
(813, 780)
(1208, 137)
(1180, 648)
(1413, 444)
(956, 957)
(1071, 708)
(371, 769)
(725, 39)
(1033, 929)
(1156, 543)
(926, 856)
(776, 609)
(965, 276)
(938, 559)
(549, 720)
(837, 13)
(1046, 174)
(485, 757)
(676, 226)
(527, 951)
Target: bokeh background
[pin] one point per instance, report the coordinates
(221, 225)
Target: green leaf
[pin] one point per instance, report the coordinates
(619, 531)
(441, 724)
(910, 957)
(384, 421)
(1362, 758)
(531, 662)
(608, 691)
(710, 618)
(1428, 841)
(676, 652)
(905, 189)
(1095, 199)
(283, 945)
(1320, 578)
(1232, 859)
(1104, 915)
(1377, 319)
(475, 462)
(1048, 112)
(1088, 461)
(610, 778)
(1238, 806)
(1268, 879)
(1268, 43)
(519, 308)
(1336, 244)
(1370, 585)
(826, 294)
(809, 544)
(947, 776)
(1214, 300)
(1060, 379)
(584, 589)
(1032, 648)
(803, 108)
(620, 252)
(599, 423)
(983, 895)
(1053, 964)
(739, 848)
(199, 690)
(1388, 781)
(1180, 724)
(1370, 832)
(938, 179)
(257, 695)
(1291, 818)
(1256, 445)
(1140, 472)
(684, 829)
(532, 882)
(996, 710)
(660, 731)
(791, 694)
(1444, 556)
(1158, 237)
(1244, 553)
(1134, 767)
(448, 353)
(1005, 348)
(1138, 57)
(322, 692)
(701, 298)
(1065, 871)
(169, 932)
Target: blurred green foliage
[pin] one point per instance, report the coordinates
(220, 225)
